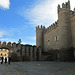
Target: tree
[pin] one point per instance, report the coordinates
(19, 41)
(14, 57)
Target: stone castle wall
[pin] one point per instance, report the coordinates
(72, 19)
(39, 36)
(50, 41)
(60, 34)
(21, 50)
(59, 38)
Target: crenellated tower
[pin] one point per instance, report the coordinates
(72, 20)
(59, 38)
(39, 36)
(65, 40)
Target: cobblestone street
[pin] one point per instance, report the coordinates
(38, 68)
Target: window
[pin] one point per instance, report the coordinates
(5, 54)
(56, 38)
(48, 40)
(1, 54)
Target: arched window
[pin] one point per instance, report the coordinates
(1, 54)
(5, 54)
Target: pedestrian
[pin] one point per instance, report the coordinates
(5, 60)
(9, 59)
(2, 60)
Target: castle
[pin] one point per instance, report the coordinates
(57, 42)
(59, 38)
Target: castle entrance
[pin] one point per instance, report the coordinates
(4, 52)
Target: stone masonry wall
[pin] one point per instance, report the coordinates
(58, 35)
(72, 19)
(22, 50)
(51, 39)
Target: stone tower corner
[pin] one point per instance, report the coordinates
(39, 36)
(64, 25)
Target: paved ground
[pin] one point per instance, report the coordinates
(38, 68)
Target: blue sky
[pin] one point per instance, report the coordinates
(19, 18)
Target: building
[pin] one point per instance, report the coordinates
(4, 52)
(32, 52)
(59, 38)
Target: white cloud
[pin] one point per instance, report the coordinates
(34, 38)
(44, 13)
(4, 39)
(6, 35)
(31, 38)
(4, 4)
(2, 33)
(8, 40)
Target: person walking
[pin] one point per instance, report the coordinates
(2, 60)
(5, 60)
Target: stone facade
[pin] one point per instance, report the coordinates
(61, 34)
(21, 50)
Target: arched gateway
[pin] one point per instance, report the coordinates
(4, 52)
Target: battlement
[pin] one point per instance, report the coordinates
(11, 45)
(40, 27)
(5, 44)
(65, 5)
(52, 27)
(72, 13)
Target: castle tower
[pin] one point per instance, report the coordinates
(64, 26)
(39, 36)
